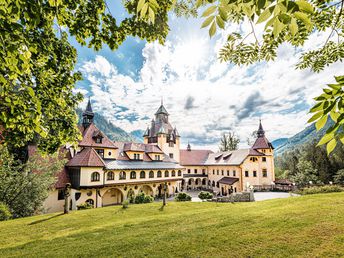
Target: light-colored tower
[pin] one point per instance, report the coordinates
(163, 134)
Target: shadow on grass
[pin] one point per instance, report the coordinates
(46, 219)
(162, 208)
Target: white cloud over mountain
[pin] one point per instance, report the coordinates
(204, 97)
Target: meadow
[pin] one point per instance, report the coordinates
(306, 226)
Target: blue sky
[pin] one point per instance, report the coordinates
(205, 98)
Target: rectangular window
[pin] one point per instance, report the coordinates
(264, 159)
(217, 172)
(171, 144)
(265, 173)
(203, 171)
(189, 170)
(227, 172)
(234, 173)
(222, 172)
(195, 170)
(213, 171)
(157, 157)
(100, 152)
(254, 173)
(60, 195)
(136, 156)
(171, 155)
(246, 173)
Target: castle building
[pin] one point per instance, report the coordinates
(103, 172)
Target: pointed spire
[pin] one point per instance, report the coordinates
(189, 147)
(176, 133)
(260, 132)
(87, 115)
(146, 132)
(89, 107)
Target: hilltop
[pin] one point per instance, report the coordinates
(307, 226)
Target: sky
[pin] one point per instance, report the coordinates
(204, 97)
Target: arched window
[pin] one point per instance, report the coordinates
(173, 173)
(189, 182)
(110, 176)
(217, 184)
(167, 174)
(90, 202)
(122, 175)
(179, 172)
(197, 181)
(213, 183)
(132, 175)
(151, 174)
(142, 174)
(204, 181)
(159, 174)
(95, 176)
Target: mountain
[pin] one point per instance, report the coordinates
(306, 135)
(113, 132)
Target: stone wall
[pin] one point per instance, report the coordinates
(236, 197)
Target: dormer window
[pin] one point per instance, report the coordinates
(99, 139)
(253, 159)
(136, 156)
(157, 157)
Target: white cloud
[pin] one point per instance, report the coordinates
(186, 67)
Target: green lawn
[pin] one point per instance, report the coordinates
(307, 226)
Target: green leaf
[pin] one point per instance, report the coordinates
(293, 26)
(321, 123)
(220, 22)
(317, 107)
(144, 10)
(209, 11)
(140, 5)
(208, 21)
(334, 115)
(278, 27)
(304, 18)
(264, 16)
(212, 29)
(223, 13)
(341, 138)
(331, 145)
(325, 139)
(31, 92)
(151, 15)
(315, 117)
(305, 6)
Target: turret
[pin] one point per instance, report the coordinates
(87, 115)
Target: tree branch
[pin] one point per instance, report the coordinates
(337, 20)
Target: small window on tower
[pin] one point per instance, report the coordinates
(171, 144)
(264, 159)
(171, 155)
(99, 140)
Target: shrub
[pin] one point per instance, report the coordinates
(205, 195)
(321, 189)
(183, 197)
(142, 198)
(5, 213)
(339, 177)
(84, 206)
(125, 204)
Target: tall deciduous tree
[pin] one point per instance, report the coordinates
(24, 187)
(229, 142)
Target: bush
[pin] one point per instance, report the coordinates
(205, 195)
(125, 204)
(5, 213)
(321, 189)
(84, 206)
(183, 197)
(339, 177)
(142, 198)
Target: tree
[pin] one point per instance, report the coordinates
(284, 21)
(24, 187)
(339, 177)
(37, 62)
(229, 142)
(251, 138)
(307, 173)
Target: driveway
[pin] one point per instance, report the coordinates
(261, 196)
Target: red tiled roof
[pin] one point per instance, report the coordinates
(88, 140)
(88, 157)
(253, 152)
(262, 143)
(193, 157)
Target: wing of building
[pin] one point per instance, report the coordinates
(102, 172)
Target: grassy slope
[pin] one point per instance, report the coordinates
(306, 226)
